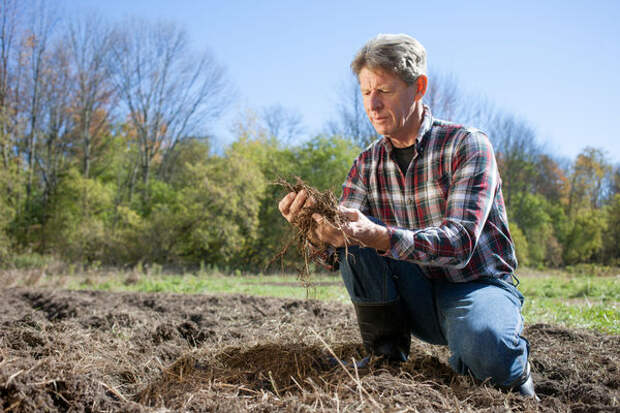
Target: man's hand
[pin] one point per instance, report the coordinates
(328, 233)
(291, 205)
(359, 231)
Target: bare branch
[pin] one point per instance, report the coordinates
(169, 91)
(351, 121)
(89, 40)
(283, 124)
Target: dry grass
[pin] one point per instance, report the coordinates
(99, 351)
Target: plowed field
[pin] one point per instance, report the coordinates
(100, 351)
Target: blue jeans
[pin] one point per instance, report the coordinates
(480, 321)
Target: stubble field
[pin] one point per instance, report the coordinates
(93, 351)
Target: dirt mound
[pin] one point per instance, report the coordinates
(97, 351)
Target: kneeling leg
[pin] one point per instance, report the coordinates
(482, 323)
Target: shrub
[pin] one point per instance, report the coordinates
(78, 214)
(520, 242)
(585, 238)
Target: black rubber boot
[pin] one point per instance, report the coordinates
(524, 384)
(384, 330)
(526, 387)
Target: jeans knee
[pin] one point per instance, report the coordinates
(489, 355)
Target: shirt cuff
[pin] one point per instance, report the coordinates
(401, 241)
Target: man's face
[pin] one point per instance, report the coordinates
(389, 102)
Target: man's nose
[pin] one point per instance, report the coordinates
(375, 102)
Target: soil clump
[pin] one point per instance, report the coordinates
(309, 247)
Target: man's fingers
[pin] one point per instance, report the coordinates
(285, 204)
(318, 218)
(298, 203)
(327, 232)
(350, 213)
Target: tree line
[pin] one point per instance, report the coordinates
(106, 156)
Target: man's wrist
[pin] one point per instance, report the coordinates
(382, 239)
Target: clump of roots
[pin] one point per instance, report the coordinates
(326, 205)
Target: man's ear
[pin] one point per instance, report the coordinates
(421, 84)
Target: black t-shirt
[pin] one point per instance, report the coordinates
(403, 157)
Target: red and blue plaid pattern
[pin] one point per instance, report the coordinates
(447, 213)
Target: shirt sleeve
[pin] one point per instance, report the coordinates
(354, 188)
(474, 182)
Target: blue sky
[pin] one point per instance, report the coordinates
(554, 63)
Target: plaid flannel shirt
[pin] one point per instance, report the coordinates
(447, 212)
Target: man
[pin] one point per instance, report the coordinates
(429, 249)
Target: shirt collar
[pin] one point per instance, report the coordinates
(425, 126)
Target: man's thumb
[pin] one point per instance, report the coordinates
(350, 213)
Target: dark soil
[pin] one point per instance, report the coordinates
(98, 351)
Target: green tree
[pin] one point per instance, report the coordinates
(6, 217)
(554, 248)
(585, 239)
(532, 215)
(611, 235)
(124, 242)
(80, 209)
(324, 161)
(550, 180)
(590, 171)
(212, 217)
(615, 181)
(274, 161)
(188, 151)
(520, 242)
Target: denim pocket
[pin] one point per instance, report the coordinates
(505, 286)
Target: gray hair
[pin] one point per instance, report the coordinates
(398, 53)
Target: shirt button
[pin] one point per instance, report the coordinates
(410, 201)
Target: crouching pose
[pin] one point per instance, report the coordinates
(429, 248)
